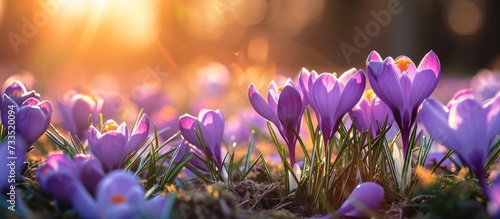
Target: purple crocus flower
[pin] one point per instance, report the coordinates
(195, 161)
(284, 108)
(210, 125)
(30, 120)
(331, 97)
(402, 86)
(371, 113)
(54, 173)
(112, 144)
(18, 93)
(120, 195)
(465, 126)
(366, 196)
(75, 111)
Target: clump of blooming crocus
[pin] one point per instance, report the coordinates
(83, 168)
(30, 119)
(403, 86)
(118, 194)
(364, 198)
(209, 127)
(331, 97)
(75, 110)
(465, 126)
(371, 113)
(284, 108)
(112, 145)
(18, 93)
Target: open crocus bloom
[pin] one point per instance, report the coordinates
(403, 86)
(465, 126)
(284, 108)
(119, 195)
(365, 197)
(210, 127)
(112, 144)
(331, 97)
(371, 113)
(32, 118)
(18, 93)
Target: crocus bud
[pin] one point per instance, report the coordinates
(31, 119)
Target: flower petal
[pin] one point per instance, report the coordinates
(430, 62)
(424, 83)
(493, 117)
(384, 79)
(139, 134)
(109, 150)
(434, 116)
(352, 92)
(289, 106)
(261, 106)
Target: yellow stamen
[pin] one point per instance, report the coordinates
(109, 127)
(403, 64)
(281, 89)
(117, 199)
(334, 74)
(369, 95)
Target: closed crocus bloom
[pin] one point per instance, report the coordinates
(332, 97)
(284, 108)
(210, 125)
(55, 174)
(89, 171)
(120, 195)
(366, 196)
(18, 93)
(465, 126)
(402, 86)
(75, 110)
(58, 176)
(32, 118)
(113, 144)
(371, 113)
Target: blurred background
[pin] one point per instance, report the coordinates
(196, 51)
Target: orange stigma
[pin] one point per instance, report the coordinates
(281, 89)
(403, 64)
(117, 199)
